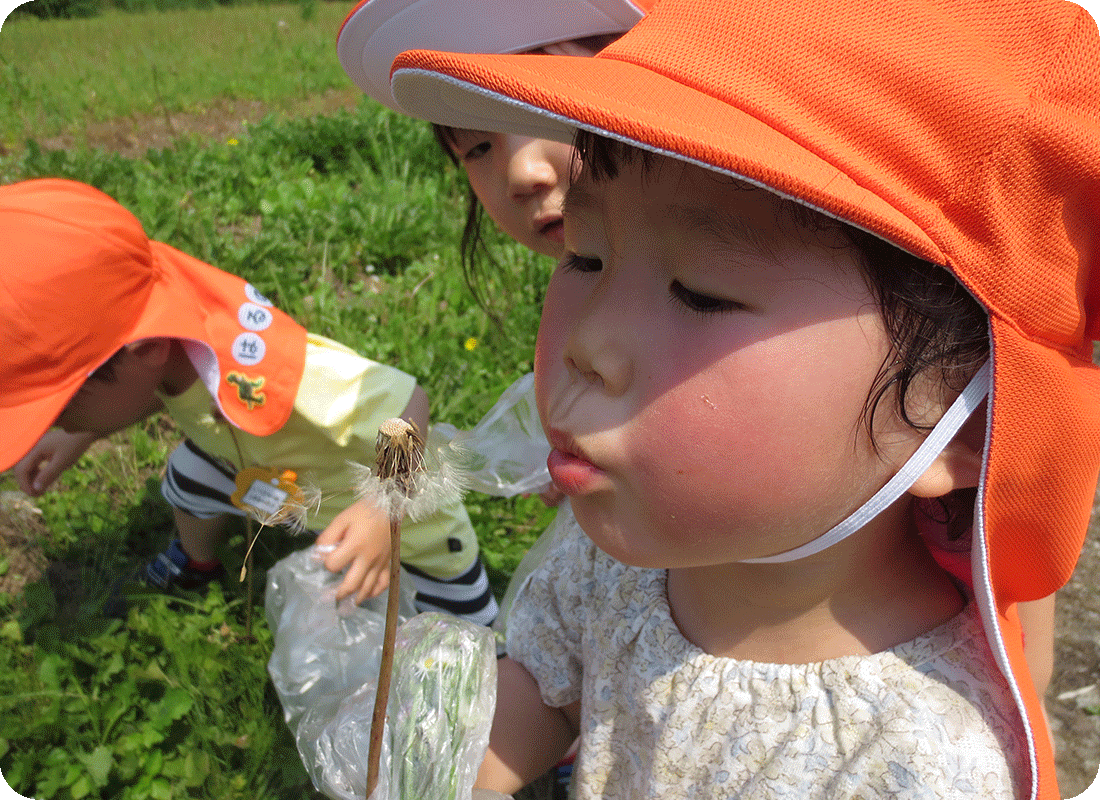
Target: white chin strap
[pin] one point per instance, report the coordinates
(965, 405)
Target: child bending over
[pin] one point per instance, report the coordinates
(104, 328)
(829, 297)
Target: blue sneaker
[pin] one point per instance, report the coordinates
(168, 572)
(171, 570)
(563, 776)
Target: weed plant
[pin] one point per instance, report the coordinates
(350, 223)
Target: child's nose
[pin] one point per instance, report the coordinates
(529, 171)
(599, 347)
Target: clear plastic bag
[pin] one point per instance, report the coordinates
(325, 669)
(507, 449)
(325, 661)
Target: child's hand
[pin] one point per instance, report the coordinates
(54, 453)
(361, 534)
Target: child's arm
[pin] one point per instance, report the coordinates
(1037, 622)
(361, 532)
(54, 453)
(528, 736)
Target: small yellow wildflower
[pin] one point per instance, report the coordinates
(471, 343)
(232, 142)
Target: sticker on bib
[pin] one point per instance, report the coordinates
(254, 317)
(249, 349)
(254, 295)
(248, 389)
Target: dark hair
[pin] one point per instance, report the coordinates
(935, 326)
(106, 371)
(474, 254)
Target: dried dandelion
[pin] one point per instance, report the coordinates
(440, 480)
(400, 460)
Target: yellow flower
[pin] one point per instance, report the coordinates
(471, 343)
(232, 142)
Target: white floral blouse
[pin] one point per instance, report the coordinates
(660, 718)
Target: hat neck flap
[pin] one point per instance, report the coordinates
(252, 358)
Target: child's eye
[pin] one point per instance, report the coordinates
(477, 151)
(575, 263)
(701, 303)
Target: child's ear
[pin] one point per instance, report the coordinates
(151, 352)
(959, 465)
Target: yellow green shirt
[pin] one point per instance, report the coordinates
(342, 399)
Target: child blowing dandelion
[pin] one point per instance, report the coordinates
(803, 258)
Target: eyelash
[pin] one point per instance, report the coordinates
(678, 293)
(575, 263)
(478, 150)
(701, 304)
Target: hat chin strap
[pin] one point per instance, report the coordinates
(944, 431)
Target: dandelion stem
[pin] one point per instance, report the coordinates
(400, 455)
(385, 668)
(252, 536)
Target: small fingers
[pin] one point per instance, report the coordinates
(373, 589)
(352, 581)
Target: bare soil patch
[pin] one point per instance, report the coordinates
(224, 119)
(21, 528)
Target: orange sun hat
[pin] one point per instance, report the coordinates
(966, 132)
(376, 31)
(79, 280)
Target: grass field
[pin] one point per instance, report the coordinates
(349, 221)
(60, 75)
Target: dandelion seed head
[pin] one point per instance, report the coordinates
(442, 480)
(396, 427)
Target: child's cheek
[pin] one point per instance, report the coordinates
(709, 469)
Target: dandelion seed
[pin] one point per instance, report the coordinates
(441, 481)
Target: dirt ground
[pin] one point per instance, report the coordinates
(1073, 702)
(133, 136)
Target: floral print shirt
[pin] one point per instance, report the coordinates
(660, 718)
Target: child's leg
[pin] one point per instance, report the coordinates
(466, 595)
(198, 487)
(199, 537)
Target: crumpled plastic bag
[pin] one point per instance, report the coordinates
(325, 669)
(506, 451)
(322, 650)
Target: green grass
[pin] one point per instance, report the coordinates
(349, 222)
(60, 75)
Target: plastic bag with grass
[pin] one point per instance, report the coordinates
(325, 670)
